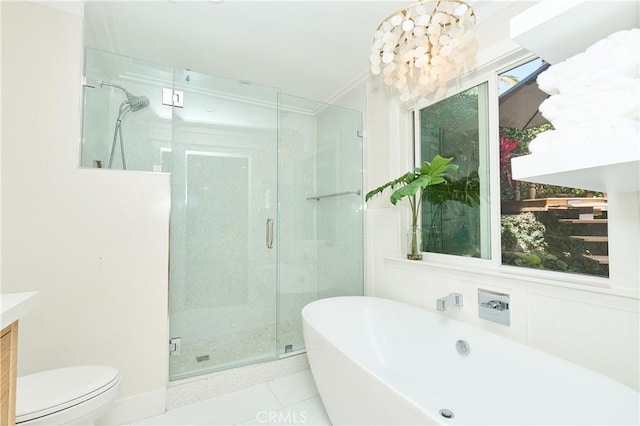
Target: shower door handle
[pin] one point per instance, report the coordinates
(269, 233)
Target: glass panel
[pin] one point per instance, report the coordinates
(458, 222)
(544, 226)
(221, 149)
(320, 240)
(340, 218)
(125, 124)
(223, 275)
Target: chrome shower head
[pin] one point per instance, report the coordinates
(136, 103)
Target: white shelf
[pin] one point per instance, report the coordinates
(14, 306)
(601, 167)
(556, 30)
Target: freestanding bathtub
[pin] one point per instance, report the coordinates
(376, 361)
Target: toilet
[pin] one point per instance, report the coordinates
(66, 396)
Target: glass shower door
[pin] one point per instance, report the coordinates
(224, 200)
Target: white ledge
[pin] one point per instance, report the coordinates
(602, 167)
(14, 306)
(546, 278)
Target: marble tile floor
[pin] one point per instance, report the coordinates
(288, 400)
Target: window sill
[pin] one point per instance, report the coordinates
(547, 278)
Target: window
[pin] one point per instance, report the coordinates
(543, 226)
(456, 220)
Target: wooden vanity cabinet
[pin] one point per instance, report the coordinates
(8, 373)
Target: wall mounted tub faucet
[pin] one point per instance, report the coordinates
(454, 299)
(494, 306)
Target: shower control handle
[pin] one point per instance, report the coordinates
(269, 233)
(495, 304)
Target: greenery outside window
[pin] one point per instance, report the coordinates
(543, 226)
(456, 220)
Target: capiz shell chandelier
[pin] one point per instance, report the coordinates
(421, 47)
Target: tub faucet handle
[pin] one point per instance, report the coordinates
(495, 304)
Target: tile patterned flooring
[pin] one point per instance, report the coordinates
(288, 400)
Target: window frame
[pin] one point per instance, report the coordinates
(489, 74)
(484, 185)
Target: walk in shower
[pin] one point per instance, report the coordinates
(266, 201)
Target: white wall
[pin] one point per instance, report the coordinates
(0, 152)
(94, 243)
(595, 327)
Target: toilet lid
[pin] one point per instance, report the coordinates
(47, 392)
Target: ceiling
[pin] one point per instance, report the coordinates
(312, 49)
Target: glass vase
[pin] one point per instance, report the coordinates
(414, 243)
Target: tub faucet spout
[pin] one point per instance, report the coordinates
(454, 299)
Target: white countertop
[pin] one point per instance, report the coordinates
(14, 306)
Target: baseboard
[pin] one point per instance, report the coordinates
(127, 410)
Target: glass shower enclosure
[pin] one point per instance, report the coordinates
(266, 202)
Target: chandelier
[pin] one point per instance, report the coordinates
(421, 47)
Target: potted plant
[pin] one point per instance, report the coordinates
(413, 185)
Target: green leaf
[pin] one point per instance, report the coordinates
(407, 190)
(408, 177)
(438, 167)
(529, 258)
(465, 190)
(414, 183)
(534, 259)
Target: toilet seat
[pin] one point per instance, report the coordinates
(48, 392)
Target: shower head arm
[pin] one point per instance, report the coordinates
(106, 83)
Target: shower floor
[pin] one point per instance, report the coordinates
(235, 349)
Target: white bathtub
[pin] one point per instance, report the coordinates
(376, 361)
